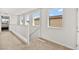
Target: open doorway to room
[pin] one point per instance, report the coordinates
(4, 23)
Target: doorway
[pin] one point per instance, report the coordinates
(4, 23)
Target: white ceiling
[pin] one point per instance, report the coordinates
(15, 11)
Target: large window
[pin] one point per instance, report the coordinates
(55, 17)
(36, 19)
(27, 20)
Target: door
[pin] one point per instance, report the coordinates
(4, 23)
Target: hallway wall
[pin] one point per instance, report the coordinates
(0, 23)
(66, 35)
(19, 30)
(34, 30)
(78, 29)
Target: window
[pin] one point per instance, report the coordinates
(21, 20)
(55, 17)
(5, 19)
(26, 20)
(36, 19)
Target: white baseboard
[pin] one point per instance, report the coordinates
(20, 36)
(60, 44)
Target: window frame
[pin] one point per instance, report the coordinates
(21, 18)
(34, 19)
(49, 21)
(26, 18)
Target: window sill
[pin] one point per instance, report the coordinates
(54, 27)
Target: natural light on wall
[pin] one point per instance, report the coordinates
(36, 19)
(27, 20)
(55, 17)
(21, 20)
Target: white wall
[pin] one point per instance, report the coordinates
(19, 30)
(34, 30)
(0, 23)
(67, 34)
(78, 29)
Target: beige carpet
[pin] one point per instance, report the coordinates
(8, 41)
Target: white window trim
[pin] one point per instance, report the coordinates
(34, 24)
(21, 18)
(55, 27)
(25, 19)
(39, 19)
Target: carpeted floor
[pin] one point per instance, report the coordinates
(8, 41)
